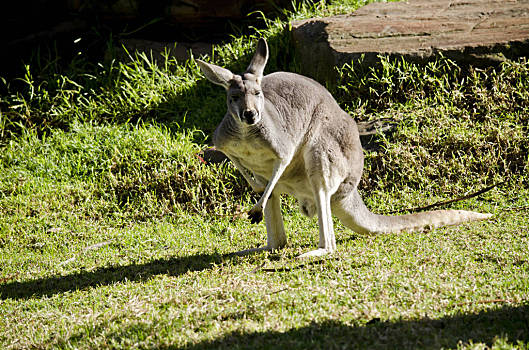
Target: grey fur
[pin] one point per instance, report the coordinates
(286, 134)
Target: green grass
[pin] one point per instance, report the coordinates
(114, 234)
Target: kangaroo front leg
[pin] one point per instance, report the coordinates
(327, 240)
(275, 230)
(256, 213)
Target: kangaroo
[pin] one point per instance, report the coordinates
(285, 133)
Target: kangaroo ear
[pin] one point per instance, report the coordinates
(259, 59)
(215, 74)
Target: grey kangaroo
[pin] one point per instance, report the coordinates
(285, 133)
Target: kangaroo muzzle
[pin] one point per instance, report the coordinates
(250, 116)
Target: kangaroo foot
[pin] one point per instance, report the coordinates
(314, 253)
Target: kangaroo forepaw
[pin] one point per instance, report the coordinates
(255, 216)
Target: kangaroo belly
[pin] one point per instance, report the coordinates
(301, 190)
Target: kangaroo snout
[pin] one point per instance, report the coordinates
(250, 116)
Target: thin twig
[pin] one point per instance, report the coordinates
(96, 246)
(278, 291)
(519, 208)
(257, 268)
(450, 201)
(85, 250)
(300, 266)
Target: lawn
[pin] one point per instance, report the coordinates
(115, 234)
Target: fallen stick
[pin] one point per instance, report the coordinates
(450, 201)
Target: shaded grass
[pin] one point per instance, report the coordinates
(455, 128)
(423, 333)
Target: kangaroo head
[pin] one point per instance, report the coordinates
(244, 94)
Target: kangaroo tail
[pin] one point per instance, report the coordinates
(354, 214)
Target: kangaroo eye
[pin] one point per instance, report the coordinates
(257, 93)
(234, 98)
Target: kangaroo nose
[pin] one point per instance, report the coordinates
(249, 115)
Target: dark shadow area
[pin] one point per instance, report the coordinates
(508, 322)
(67, 27)
(103, 276)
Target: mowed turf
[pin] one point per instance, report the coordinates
(115, 234)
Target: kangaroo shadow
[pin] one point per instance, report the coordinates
(48, 286)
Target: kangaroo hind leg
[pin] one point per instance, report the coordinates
(322, 198)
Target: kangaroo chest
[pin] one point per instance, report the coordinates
(259, 157)
(258, 152)
(254, 154)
